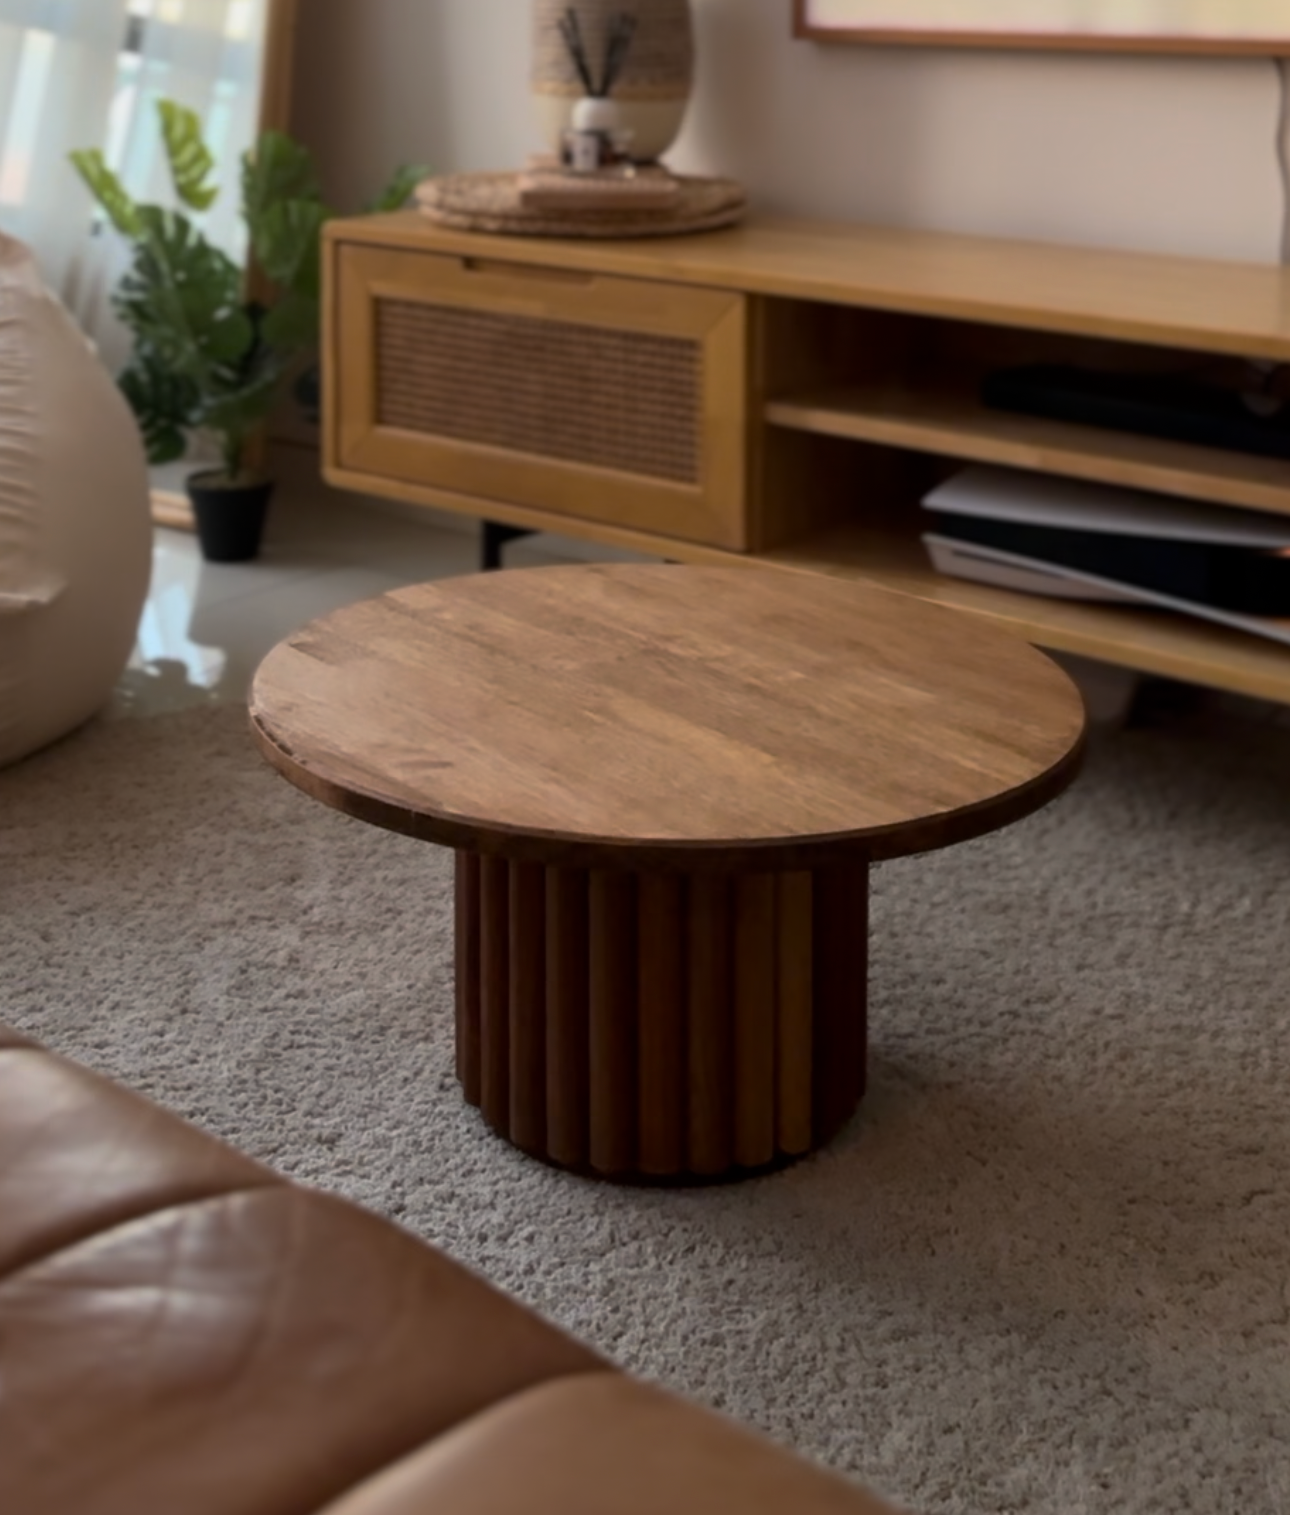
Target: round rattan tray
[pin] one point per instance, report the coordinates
(491, 203)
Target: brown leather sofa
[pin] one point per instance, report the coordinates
(182, 1332)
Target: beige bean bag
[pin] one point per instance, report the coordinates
(75, 530)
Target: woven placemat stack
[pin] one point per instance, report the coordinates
(543, 201)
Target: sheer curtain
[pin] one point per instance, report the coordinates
(88, 73)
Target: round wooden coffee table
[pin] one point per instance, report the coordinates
(665, 787)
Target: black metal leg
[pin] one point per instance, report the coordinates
(1165, 702)
(495, 536)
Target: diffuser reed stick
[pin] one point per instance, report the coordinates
(618, 46)
(622, 33)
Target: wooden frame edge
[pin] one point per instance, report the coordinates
(171, 509)
(277, 91)
(277, 78)
(1270, 47)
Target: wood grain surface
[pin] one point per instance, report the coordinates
(1201, 303)
(865, 347)
(655, 717)
(673, 1029)
(568, 1021)
(954, 423)
(362, 438)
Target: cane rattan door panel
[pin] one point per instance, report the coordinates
(615, 400)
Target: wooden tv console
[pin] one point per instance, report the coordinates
(783, 393)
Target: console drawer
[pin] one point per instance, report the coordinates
(614, 400)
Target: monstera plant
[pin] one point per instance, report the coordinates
(210, 356)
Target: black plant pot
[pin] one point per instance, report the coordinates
(230, 517)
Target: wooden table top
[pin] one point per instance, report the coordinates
(668, 717)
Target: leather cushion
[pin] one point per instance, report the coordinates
(78, 1154)
(258, 1353)
(604, 1445)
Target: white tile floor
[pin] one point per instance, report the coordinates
(206, 626)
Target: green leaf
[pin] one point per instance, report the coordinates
(230, 338)
(204, 356)
(108, 190)
(241, 409)
(292, 325)
(190, 160)
(183, 297)
(277, 169)
(164, 404)
(398, 191)
(287, 241)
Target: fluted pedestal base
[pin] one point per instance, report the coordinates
(661, 1025)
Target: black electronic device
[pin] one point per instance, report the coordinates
(1249, 580)
(1074, 540)
(1173, 406)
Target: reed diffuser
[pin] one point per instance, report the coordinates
(653, 67)
(596, 137)
(619, 37)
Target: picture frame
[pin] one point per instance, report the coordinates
(1249, 28)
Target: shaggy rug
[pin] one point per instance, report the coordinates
(1046, 1270)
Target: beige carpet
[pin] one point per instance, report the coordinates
(1048, 1270)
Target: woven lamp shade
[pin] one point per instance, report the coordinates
(654, 89)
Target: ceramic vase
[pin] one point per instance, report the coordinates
(654, 89)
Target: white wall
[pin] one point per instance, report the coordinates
(1165, 154)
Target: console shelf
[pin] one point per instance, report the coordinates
(783, 393)
(954, 424)
(1158, 642)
